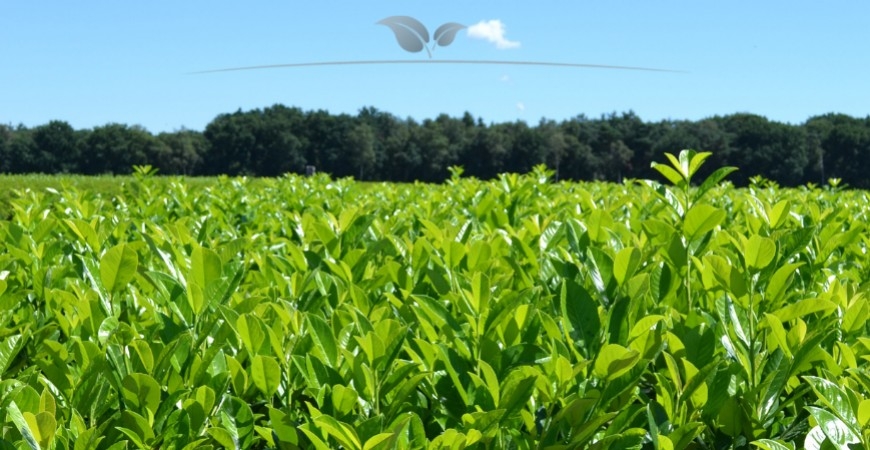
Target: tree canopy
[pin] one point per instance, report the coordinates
(376, 145)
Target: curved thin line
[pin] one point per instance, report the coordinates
(439, 61)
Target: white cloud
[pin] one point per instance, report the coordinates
(521, 106)
(492, 31)
(505, 79)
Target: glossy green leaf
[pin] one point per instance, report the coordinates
(701, 219)
(614, 360)
(711, 181)
(834, 429)
(141, 392)
(9, 349)
(266, 374)
(581, 312)
(835, 400)
(803, 308)
(770, 444)
(323, 337)
(759, 252)
(23, 426)
(517, 389)
(118, 267)
(625, 264)
(672, 175)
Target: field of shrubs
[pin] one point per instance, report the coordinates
(517, 313)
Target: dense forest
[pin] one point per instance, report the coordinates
(375, 145)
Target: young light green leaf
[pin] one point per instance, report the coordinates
(717, 176)
(266, 374)
(779, 282)
(344, 399)
(613, 361)
(205, 267)
(22, 425)
(141, 392)
(696, 159)
(778, 333)
(672, 175)
(118, 266)
(88, 440)
(626, 262)
(759, 252)
(516, 389)
(701, 219)
(803, 308)
(770, 444)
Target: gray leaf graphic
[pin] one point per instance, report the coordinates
(410, 33)
(445, 34)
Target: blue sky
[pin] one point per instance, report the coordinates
(93, 62)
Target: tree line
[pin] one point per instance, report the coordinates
(376, 145)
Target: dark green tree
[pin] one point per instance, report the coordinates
(184, 152)
(361, 147)
(840, 148)
(5, 152)
(23, 154)
(116, 148)
(758, 146)
(402, 160)
(57, 148)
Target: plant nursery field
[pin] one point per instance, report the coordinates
(518, 313)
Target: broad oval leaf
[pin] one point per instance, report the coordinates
(803, 308)
(118, 266)
(43, 426)
(23, 426)
(516, 389)
(701, 219)
(759, 252)
(712, 181)
(779, 282)
(614, 360)
(770, 444)
(837, 432)
(410, 33)
(266, 374)
(625, 264)
(836, 399)
(445, 34)
(344, 399)
(205, 267)
(672, 175)
(323, 338)
(696, 160)
(9, 349)
(141, 392)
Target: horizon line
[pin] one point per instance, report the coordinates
(438, 61)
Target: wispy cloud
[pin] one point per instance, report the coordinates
(492, 31)
(521, 106)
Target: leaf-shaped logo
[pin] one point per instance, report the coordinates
(445, 34)
(410, 33)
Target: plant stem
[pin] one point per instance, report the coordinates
(752, 335)
(688, 253)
